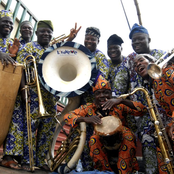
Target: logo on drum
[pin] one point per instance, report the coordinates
(66, 52)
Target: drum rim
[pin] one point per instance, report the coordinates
(119, 128)
(80, 91)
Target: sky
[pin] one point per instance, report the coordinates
(109, 17)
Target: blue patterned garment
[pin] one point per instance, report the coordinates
(103, 68)
(22, 41)
(144, 125)
(102, 63)
(4, 42)
(119, 78)
(42, 129)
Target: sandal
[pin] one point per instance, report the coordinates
(25, 167)
(10, 164)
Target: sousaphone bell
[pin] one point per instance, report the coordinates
(67, 69)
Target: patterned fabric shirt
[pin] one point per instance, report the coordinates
(4, 42)
(22, 41)
(31, 48)
(90, 109)
(164, 90)
(102, 63)
(119, 78)
(135, 79)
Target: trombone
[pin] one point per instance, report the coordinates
(32, 80)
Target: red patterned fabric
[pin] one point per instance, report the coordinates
(101, 83)
(127, 162)
(164, 90)
(127, 158)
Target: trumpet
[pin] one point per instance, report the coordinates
(58, 39)
(163, 140)
(155, 69)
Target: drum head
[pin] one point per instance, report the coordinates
(67, 69)
(110, 125)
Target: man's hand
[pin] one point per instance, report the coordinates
(73, 32)
(14, 48)
(90, 120)
(111, 102)
(6, 58)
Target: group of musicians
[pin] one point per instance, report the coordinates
(116, 76)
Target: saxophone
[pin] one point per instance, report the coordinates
(163, 140)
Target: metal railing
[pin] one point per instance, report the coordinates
(20, 13)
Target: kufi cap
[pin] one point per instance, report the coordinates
(6, 13)
(137, 29)
(26, 22)
(45, 24)
(114, 40)
(93, 31)
(101, 83)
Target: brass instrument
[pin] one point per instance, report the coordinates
(161, 134)
(58, 39)
(32, 80)
(67, 70)
(155, 69)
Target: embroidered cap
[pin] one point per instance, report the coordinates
(93, 31)
(6, 13)
(45, 24)
(137, 29)
(101, 83)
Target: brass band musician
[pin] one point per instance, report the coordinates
(42, 129)
(8, 47)
(107, 106)
(163, 87)
(140, 41)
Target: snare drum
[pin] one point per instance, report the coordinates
(110, 132)
(10, 78)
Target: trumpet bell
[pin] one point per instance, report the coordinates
(67, 69)
(154, 71)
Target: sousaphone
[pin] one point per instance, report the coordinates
(67, 69)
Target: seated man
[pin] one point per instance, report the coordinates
(104, 105)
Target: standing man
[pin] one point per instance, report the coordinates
(26, 30)
(92, 39)
(141, 44)
(17, 139)
(8, 47)
(118, 72)
(119, 77)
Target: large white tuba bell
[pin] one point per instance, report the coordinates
(67, 70)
